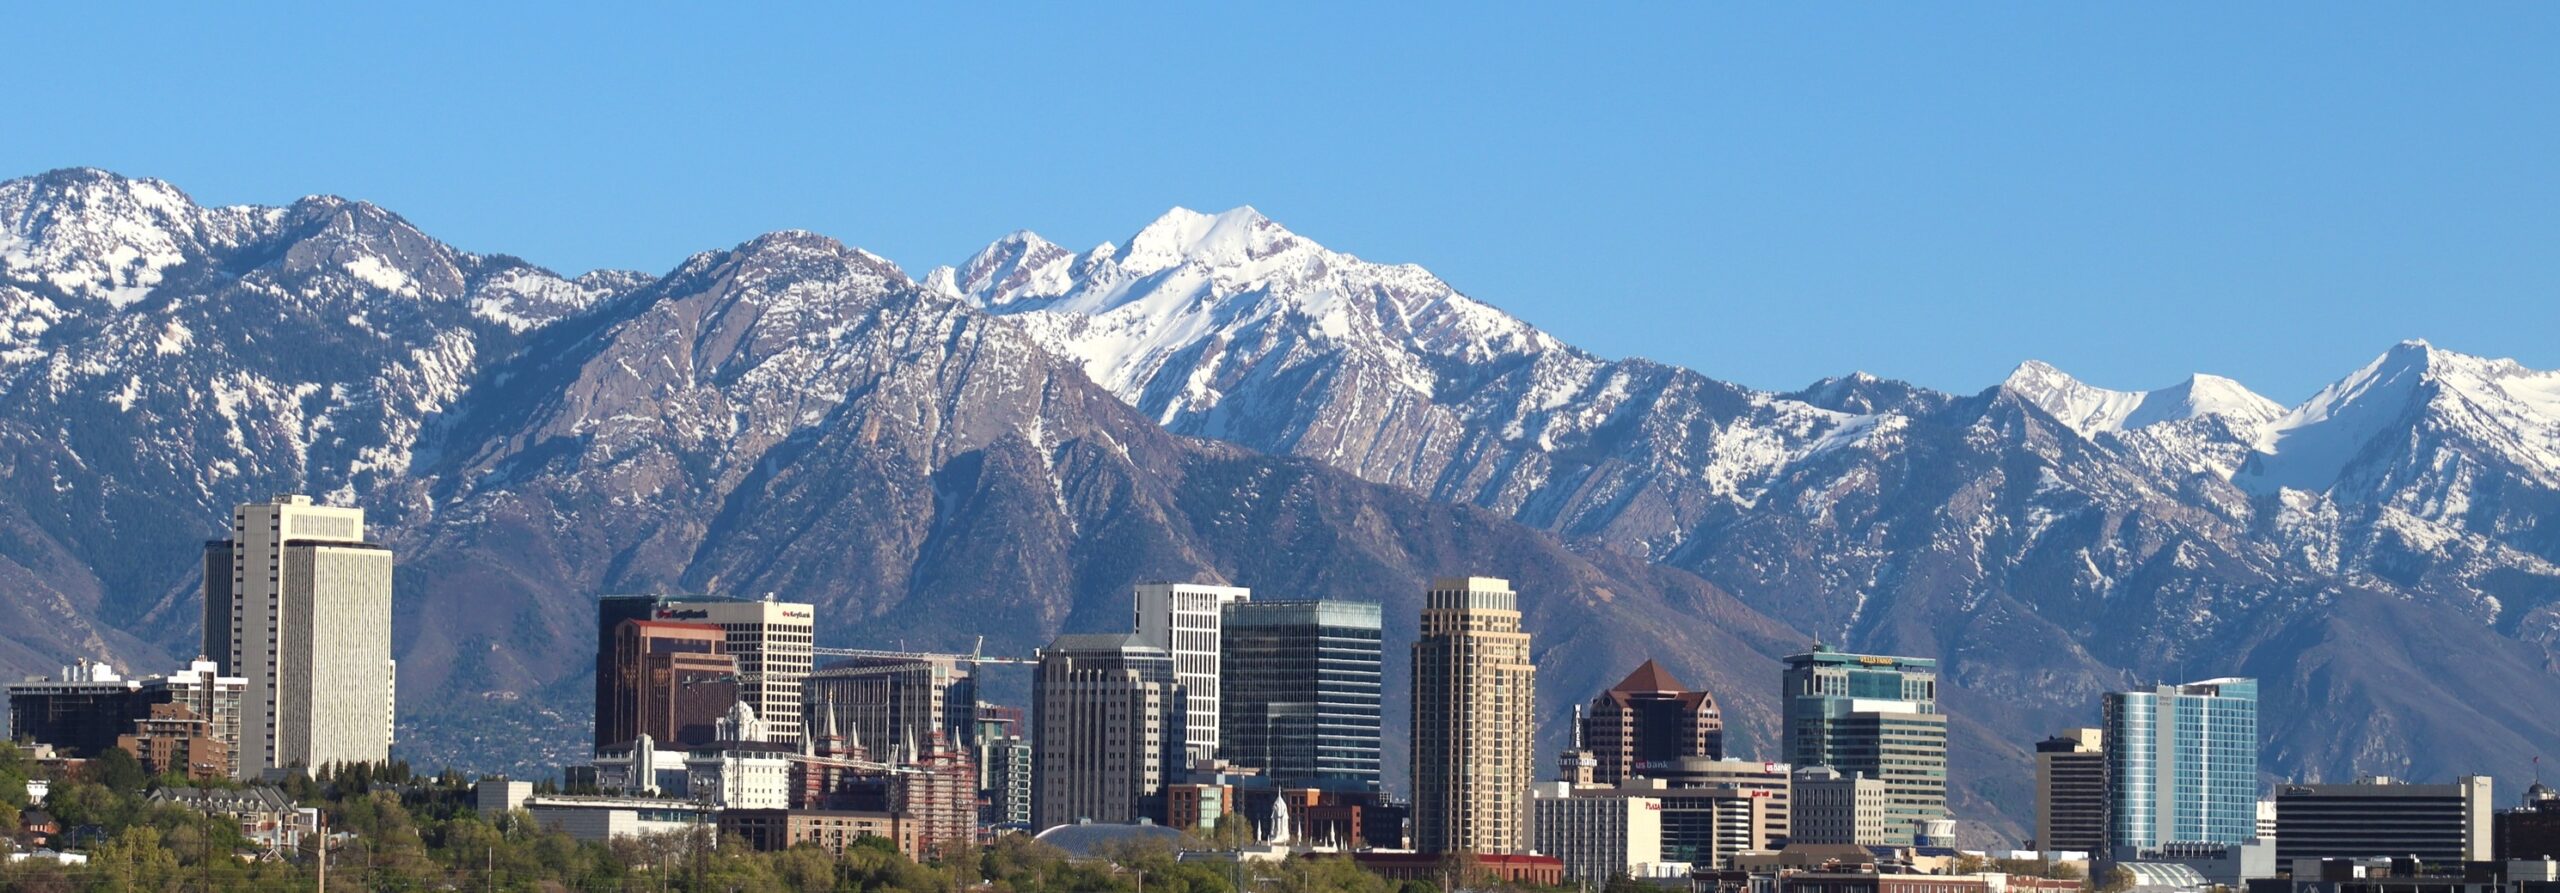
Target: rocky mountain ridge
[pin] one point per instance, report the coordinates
(1021, 436)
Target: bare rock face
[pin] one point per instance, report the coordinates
(1002, 448)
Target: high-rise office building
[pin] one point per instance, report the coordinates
(670, 681)
(2382, 817)
(1474, 710)
(305, 604)
(1301, 691)
(1874, 716)
(1108, 720)
(2182, 764)
(891, 702)
(1183, 619)
(1647, 721)
(2071, 792)
(770, 641)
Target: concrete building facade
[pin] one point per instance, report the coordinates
(770, 642)
(304, 606)
(2380, 816)
(1836, 809)
(2071, 792)
(1108, 730)
(1474, 712)
(1597, 838)
(1186, 619)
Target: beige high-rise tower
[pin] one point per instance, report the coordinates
(1474, 708)
(299, 605)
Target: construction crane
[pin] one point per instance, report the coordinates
(977, 655)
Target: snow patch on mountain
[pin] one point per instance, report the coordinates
(2092, 410)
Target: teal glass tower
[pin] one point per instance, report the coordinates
(2182, 765)
(1874, 716)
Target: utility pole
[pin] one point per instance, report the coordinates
(321, 824)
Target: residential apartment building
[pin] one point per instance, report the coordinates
(1474, 712)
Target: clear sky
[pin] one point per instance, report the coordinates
(1770, 195)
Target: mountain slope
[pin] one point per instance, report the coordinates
(791, 416)
(2051, 539)
(1004, 446)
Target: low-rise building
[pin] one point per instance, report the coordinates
(830, 830)
(607, 817)
(2380, 817)
(263, 814)
(1831, 808)
(1597, 838)
(1464, 868)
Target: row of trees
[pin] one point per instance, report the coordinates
(397, 831)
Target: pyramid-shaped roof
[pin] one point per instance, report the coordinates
(1650, 677)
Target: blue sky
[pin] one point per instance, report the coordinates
(1928, 192)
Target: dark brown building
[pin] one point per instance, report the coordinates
(1650, 719)
(669, 681)
(175, 738)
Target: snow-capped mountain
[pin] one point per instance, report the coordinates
(2067, 537)
(792, 415)
(998, 447)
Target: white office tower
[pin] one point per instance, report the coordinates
(771, 642)
(1183, 619)
(304, 605)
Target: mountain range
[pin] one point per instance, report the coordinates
(1001, 447)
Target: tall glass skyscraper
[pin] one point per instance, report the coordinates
(1302, 686)
(2182, 764)
(1874, 716)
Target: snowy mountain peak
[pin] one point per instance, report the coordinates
(2077, 405)
(1019, 266)
(1235, 239)
(2415, 398)
(98, 236)
(2090, 410)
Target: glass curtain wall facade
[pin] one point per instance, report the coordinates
(1874, 716)
(1303, 681)
(2182, 764)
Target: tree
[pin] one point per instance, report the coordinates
(2118, 880)
(118, 771)
(15, 769)
(133, 860)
